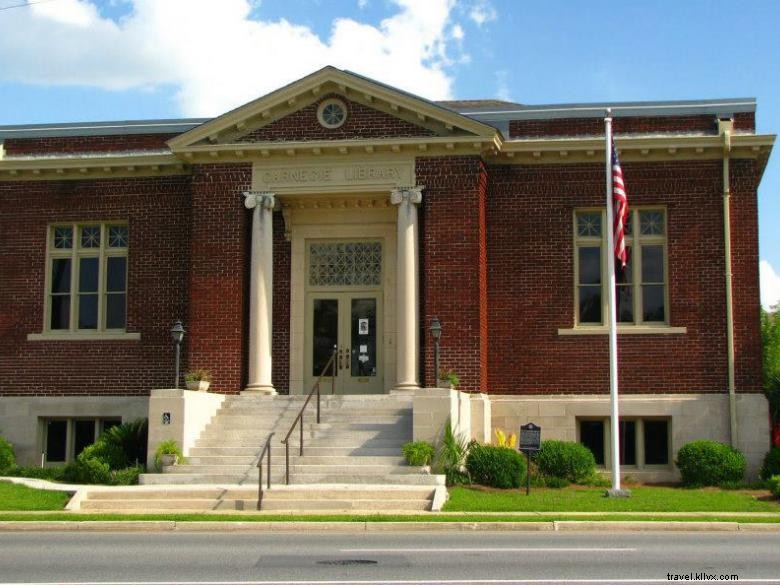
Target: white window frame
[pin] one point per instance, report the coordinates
(636, 267)
(75, 253)
(639, 444)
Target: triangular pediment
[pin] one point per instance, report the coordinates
(293, 114)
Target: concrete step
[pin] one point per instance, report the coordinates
(345, 505)
(297, 478)
(151, 504)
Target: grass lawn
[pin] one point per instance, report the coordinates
(19, 497)
(585, 499)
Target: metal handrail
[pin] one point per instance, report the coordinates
(315, 388)
(266, 449)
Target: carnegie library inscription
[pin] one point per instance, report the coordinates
(317, 177)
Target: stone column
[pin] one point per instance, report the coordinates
(260, 292)
(408, 296)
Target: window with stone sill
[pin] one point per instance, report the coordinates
(642, 287)
(644, 442)
(87, 278)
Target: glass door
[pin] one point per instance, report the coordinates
(349, 322)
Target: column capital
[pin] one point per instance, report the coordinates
(261, 199)
(406, 194)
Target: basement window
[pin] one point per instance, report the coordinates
(65, 438)
(644, 442)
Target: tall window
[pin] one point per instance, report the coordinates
(87, 277)
(641, 288)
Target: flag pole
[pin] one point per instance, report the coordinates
(612, 315)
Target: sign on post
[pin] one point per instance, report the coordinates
(530, 441)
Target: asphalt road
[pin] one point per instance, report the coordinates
(410, 558)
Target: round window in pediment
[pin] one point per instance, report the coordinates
(332, 113)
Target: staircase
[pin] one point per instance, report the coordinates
(352, 460)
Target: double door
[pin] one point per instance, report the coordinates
(350, 323)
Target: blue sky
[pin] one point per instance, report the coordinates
(80, 60)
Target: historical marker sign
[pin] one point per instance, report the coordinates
(530, 437)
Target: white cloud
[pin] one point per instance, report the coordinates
(457, 32)
(215, 53)
(770, 285)
(502, 91)
(482, 11)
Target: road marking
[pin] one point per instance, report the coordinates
(479, 550)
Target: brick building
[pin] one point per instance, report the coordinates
(339, 211)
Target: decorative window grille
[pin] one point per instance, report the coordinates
(345, 264)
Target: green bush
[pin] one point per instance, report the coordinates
(130, 439)
(108, 453)
(771, 466)
(566, 460)
(7, 456)
(418, 453)
(499, 467)
(50, 473)
(710, 463)
(555, 482)
(774, 485)
(88, 470)
(126, 476)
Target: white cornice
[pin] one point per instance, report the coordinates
(91, 167)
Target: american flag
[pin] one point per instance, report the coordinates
(621, 207)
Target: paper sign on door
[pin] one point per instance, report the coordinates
(362, 326)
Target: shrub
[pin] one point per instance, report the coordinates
(566, 460)
(107, 453)
(131, 439)
(418, 453)
(7, 456)
(710, 463)
(774, 485)
(771, 466)
(499, 467)
(87, 470)
(556, 482)
(50, 473)
(451, 457)
(127, 476)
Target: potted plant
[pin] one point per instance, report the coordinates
(448, 379)
(168, 453)
(198, 379)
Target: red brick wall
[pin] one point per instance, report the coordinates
(280, 349)
(744, 266)
(362, 122)
(219, 274)
(73, 144)
(451, 236)
(707, 124)
(157, 211)
(531, 288)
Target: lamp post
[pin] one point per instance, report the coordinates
(436, 334)
(177, 334)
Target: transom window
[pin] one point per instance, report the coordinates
(345, 264)
(642, 290)
(87, 277)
